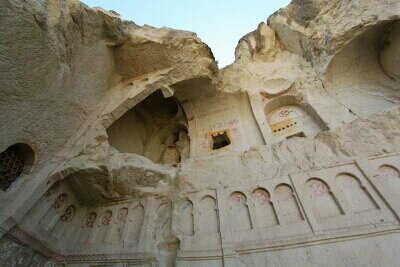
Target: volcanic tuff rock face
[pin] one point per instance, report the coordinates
(128, 146)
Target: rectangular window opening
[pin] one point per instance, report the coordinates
(219, 140)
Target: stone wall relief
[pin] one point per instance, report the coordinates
(292, 120)
(69, 214)
(65, 221)
(239, 212)
(134, 225)
(197, 215)
(340, 197)
(323, 200)
(384, 173)
(163, 222)
(42, 206)
(390, 176)
(52, 189)
(185, 221)
(91, 219)
(388, 173)
(89, 230)
(355, 193)
(208, 223)
(54, 216)
(287, 205)
(196, 222)
(103, 228)
(119, 225)
(267, 209)
(273, 212)
(264, 208)
(287, 121)
(54, 213)
(285, 117)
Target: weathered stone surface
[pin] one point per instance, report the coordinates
(14, 254)
(145, 153)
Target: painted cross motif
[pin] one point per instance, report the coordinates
(69, 214)
(59, 201)
(261, 197)
(284, 192)
(238, 199)
(105, 221)
(53, 188)
(90, 220)
(317, 188)
(388, 172)
(122, 215)
(286, 112)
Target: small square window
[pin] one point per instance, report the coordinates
(219, 139)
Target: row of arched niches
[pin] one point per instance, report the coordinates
(345, 199)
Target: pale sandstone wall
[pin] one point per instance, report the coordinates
(310, 107)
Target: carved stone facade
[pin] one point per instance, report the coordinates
(125, 145)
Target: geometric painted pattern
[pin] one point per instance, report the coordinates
(11, 166)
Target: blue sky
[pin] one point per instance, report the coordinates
(219, 23)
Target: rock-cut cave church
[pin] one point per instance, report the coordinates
(126, 145)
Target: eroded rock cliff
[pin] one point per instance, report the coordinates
(141, 151)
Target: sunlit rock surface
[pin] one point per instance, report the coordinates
(125, 145)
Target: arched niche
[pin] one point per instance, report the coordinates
(16, 160)
(156, 128)
(119, 224)
(239, 212)
(52, 189)
(322, 199)
(106, 218)
(163, 221)
(286, 118)
(104, 226)
(389, 176)
(356, 195)
(52, 216)
(265, 211)
(388, 172)
(67, 216)
(287, 205)
(60, 200)
(186, 221)
(90, 219)
(364, 75)
(208, 216)
(135, 224)
(389, 56)
(89, 231)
